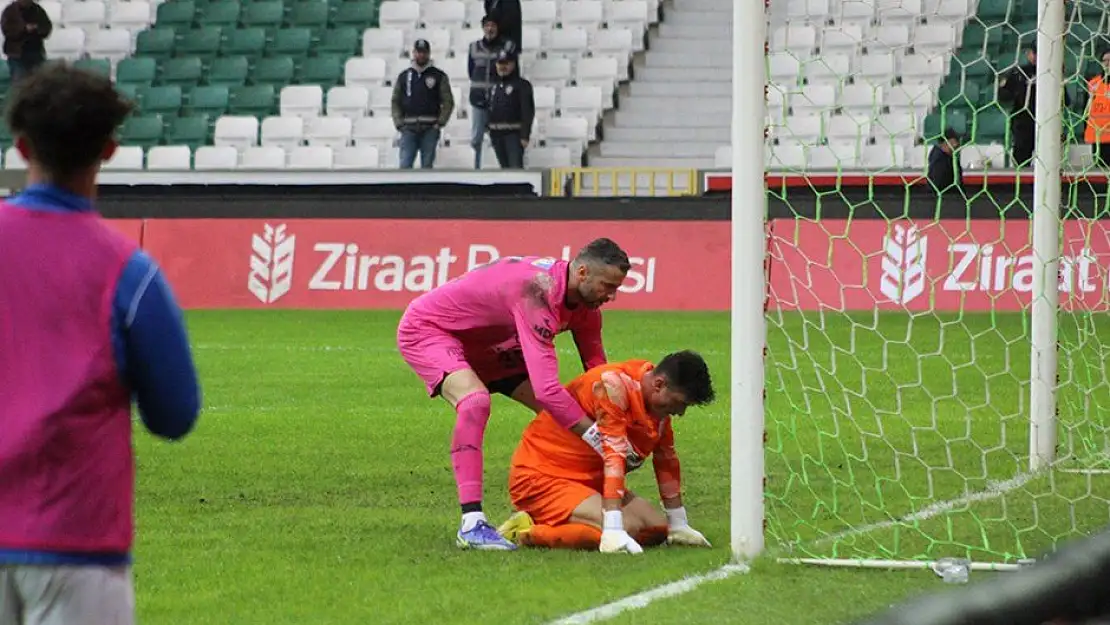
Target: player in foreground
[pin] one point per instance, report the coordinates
(493, 329)
(86, 323)
(569, 497)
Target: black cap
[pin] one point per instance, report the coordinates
(422, 45)
(506, 55)
(488, 19)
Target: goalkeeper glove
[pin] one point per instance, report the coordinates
(593, 439)
(613, 537)
(679, 531)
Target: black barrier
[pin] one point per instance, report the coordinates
(1005, 201)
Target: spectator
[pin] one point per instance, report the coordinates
(480, 67)
(1019, 88)
(512, 110)
(25, 26)
(945, 171)
(1098, 114)
(507, 15)
(422, 106)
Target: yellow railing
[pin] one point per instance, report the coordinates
(623, 181)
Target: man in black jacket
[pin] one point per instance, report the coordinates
(945, 171)
(507, 15)
(480, 67)
(422, 106)
(25, 25)
(512, 110)
(1020, 89)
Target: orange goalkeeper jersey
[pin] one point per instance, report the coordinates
(612, 396)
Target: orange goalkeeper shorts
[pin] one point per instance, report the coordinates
(548, 500)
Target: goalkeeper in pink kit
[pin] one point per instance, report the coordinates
(493, 330)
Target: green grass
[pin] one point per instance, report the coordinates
(317, 486)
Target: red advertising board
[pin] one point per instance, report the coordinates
(831, 264)
(130, 228)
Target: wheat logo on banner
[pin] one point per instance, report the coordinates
(903, 275)
(271, 274)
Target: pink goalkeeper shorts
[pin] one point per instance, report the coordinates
(434, 354)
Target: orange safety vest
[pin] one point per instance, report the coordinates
(1098, 111)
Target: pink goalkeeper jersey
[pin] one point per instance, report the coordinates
(521, 297)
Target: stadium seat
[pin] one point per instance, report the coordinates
(202, 43)
(157, 43)
(237, 131)
(283, 132)
(401, 14)
(548, 157)
(262, 157)
(356, 157)
(444, 14)
(88, 15)
(164, 100)
(142, 130)
(274, 72)
(365, 72)
(66, 43)
(110, 45)
(301, 101)
(224, 14)
(324, 71)
(228, 71)
(184, 71)
(168, 158)
(256, 100)
(310, 157)
(133, 15)
(292, 42)
(309, 14)
(215, 157)
(246, 42)
(352, 102)
(127, 157)
(99, 66)
(585, 14)
(13, 159)
(570, 42)
(355, 13)
(343, 41)
(267, 14)
(192, 131)
(178, 14)
(334, 132)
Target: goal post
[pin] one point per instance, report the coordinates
(910, 386)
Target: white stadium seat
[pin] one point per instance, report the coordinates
(168, 158)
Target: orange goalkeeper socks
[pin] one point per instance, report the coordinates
(569, 536)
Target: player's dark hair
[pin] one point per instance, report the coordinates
(604, 252)
(687, 373)
(66, 115)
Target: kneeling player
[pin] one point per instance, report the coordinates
(569, 497)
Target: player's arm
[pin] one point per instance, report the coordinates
(535, 326)
(587, 337)
(668, 475)
(152, 348)
(611, 411)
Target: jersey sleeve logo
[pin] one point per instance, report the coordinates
(544, 263)
(543, 332)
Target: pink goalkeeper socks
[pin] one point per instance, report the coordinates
(466, 445)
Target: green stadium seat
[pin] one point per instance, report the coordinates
(326, 71)
(357, 14)
(995, 11)
(228, 71)
(210, 100)
(179, 14)
(203, 43)
(343, 40)
(953, 93)
(129, 91)
(184, 71)
(276, 71)
(98, 66)
(292, 42)
(248, 42)
(309, 14)
(156, 42)
(266, 14)
(137, 71)
(6, 138)
(225, 14)
(142, 130)
(990, 125)
(165, 100)
(257, 100)
(193, 131)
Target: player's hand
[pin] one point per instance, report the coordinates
(679, 531)
(687, 536)
(592, 437)
(618, 541)
(613, 537)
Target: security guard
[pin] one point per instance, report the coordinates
(512, 109)
(1019, 87)
(480, 61)
(422, 105)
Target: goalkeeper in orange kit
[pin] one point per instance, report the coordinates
(567, 496)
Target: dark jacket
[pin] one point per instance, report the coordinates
(1020, 91)
(507, 15)
(945, 171)
(17, 41)
(422, 97)
(480, 67)
(512, 106)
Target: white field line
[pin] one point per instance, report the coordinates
(639, 600)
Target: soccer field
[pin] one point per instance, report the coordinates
(317, 487)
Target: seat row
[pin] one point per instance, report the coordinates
(304, 158)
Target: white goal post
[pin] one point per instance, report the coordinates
(751, 510)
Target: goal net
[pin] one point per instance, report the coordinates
(899, 324)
